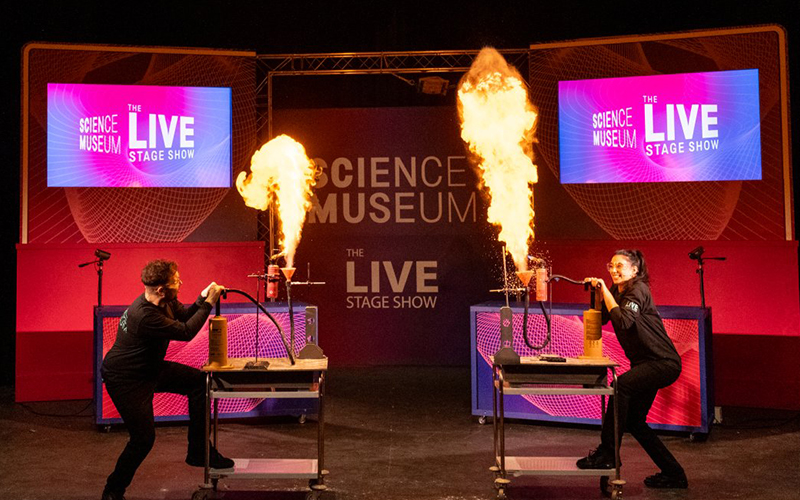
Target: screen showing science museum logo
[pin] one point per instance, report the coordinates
(662, 128)
(138, 136)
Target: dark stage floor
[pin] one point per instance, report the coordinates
(393, 433)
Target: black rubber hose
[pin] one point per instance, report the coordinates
(525, 325)
(557, 277)
(280, 330)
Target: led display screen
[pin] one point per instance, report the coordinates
(662, 128)
(138, 136)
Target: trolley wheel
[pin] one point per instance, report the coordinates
(482, 420)
(501, 484)
(302, 418)
(698, 437)
(501, 494)
(604, 486)
(616, 489)
(105, 428)
(316, 485)
(204, 494)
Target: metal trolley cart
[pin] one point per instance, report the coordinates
(534, 376)
(279, 379)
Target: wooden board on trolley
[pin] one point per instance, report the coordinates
(534, 360)
(275, 365)
(577, 371)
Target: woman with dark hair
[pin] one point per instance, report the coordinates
(655, 364)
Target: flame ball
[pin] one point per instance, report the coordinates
(282, 172)
(497, 123)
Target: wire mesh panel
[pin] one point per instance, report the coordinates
(681, 406)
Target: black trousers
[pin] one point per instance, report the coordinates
(636, 391)
(134, 401)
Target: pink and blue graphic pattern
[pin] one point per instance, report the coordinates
(684, 405)
(243, 330)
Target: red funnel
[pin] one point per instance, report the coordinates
(288, 272)
(525, 277)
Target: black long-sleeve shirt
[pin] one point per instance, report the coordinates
(144, 333)
(638, 325)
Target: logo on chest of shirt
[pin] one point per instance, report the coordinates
(633, 306)
(123, 321)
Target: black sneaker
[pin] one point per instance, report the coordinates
(111, 495)
(660, 480)
(597, 459)
(215, 460)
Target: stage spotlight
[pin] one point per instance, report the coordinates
(433, 85)
(102, 255)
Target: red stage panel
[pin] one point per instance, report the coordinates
(55, 300)
(54, 365)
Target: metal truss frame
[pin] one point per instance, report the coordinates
(362, 63)
(270, 66)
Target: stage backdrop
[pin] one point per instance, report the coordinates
(398, 226)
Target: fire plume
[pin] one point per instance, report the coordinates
(497, 123)
(282, 172)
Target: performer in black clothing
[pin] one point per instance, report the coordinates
(134, 370)
(654, 364)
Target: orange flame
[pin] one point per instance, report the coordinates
(497, 120)
(280, 170)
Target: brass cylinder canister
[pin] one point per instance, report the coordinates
(218, 343)
(592, 334)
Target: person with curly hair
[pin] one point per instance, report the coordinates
(134, 369)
